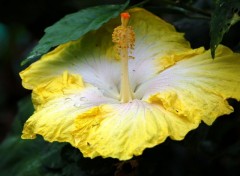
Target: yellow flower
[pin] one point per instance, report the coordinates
(82, 94)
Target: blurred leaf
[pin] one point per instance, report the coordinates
(4, 38)
(73, 170)
(73, 26)
(224, 16)
(25, 110)
(26, 157)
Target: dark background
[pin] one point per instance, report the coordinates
(205, 151)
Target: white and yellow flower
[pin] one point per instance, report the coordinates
(117, 108)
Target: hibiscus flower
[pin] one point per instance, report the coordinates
(114, 93)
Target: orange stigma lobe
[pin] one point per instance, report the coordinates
(125, 15)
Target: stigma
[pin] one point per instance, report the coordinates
(124, 38)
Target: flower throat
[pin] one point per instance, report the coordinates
(124, 38)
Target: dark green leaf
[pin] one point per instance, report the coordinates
(25, 110)
(225, 15)
(26, 157)
(73, 26)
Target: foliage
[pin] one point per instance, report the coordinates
(23, 157)
(225, 15)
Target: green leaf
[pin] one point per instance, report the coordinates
(73, 26)
(26, 157)
(225, 15)
(25, 110)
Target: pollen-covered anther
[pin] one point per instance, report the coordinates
(123, 36)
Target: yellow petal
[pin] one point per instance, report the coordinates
(124, 130)
(75, 56)
(199, 86)
(58, 107)
(155, 37)
(56, 87)
(157, 46)
(170, 59)
(54, 122)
